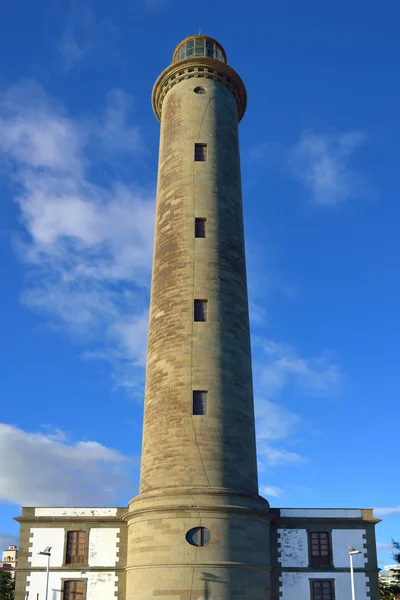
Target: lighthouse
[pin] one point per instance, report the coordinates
(198, 528)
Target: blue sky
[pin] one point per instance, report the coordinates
(319, 143)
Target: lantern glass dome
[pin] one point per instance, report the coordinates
(199, 45)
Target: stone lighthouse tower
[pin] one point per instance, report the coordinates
(198, 529)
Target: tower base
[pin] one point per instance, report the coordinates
(163, 563)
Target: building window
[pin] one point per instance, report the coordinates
(200, 228)
(200, 310)
(199, 403)
(74, 590)
(320, 549)
(76, 547)
(200, 152)
(199, 536)
(322, 589)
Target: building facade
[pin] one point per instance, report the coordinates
(310, 553)
(391, 575)
(9, 559)
(87, 553)
(198, 528)
(308, 548)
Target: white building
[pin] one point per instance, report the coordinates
(309, 554)
(391, 574)
(9, 559)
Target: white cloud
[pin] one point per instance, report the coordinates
(387, 511)
(274, 422)
(381, 546)
(276, 367)
(275, 457)
(89, 246)
(268, 490)
(85, 37)
(43, 469)
(34, 134)
(321, 163)
(279, 366)
(114, 129)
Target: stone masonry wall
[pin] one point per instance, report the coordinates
(179, 449)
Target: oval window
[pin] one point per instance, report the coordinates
(199, 536)
(199, 90)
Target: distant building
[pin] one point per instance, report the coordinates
(9, 559)
(390, 574)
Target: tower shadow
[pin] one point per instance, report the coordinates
(208, 578)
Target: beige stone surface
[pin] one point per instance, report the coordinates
(180, 449)
(199, 470)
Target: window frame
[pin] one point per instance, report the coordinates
(204, 310)
(200, 152)
(319, 561)
(202, 402)
(202, 222)
(329, 580)
(85, 553)
(200, 46)
(65, 580)
(200, 529)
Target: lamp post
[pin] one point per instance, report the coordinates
(46, 552)
(352, 551)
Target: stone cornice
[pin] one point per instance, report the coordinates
(69, 569)
(69, 519)
(197, 508)
(200, 67)
(197, 564)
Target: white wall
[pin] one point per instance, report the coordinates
(341, 540)
(42, 537)
(100, 586)
(75, 512)
(296, 586)
(103, 551)
(322, 513)
(103, 547)
(293, 547)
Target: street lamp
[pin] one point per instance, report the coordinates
(352, 551)
(46, 552)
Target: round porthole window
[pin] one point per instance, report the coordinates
(200, 90)
(199, 536)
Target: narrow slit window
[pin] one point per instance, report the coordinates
(200, 228)
(199, 403)
(200, 152)
(200, 310)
